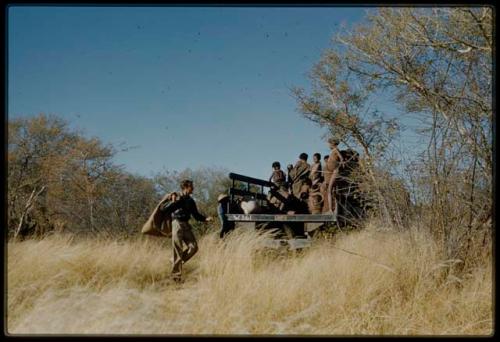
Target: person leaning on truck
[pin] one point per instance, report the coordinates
(182, 233)
(222, 208)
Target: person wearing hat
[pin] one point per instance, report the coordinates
(222, 207)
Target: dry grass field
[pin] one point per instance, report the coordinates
(394, 284)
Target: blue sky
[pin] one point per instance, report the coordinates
(187, 86)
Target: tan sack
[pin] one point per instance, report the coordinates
(159, 224)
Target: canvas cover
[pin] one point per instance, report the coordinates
(158, 223)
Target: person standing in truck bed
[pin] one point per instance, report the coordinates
(222, 209)
(299, 173)
(316, 171)
(182, 233)
(278, 177)
(289, 182)
(331, 172)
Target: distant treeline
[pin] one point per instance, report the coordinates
(60, 180)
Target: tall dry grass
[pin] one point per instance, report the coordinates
(364, 283)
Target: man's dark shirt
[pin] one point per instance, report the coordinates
(183, 208)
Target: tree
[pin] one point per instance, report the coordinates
(339, 102)
(33, 146)
(127, 203)
(437, 64)
(58, 179)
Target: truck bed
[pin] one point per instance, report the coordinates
(281, 217)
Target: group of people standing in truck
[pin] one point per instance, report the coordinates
(313, 183)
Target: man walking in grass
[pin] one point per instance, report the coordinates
(181, 210)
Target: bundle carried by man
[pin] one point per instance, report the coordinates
(159, 223)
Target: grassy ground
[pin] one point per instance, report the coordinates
(362, 283)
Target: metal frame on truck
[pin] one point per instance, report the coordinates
(262, 197)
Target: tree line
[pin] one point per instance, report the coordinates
(61, 181)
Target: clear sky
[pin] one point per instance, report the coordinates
(188, 86)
